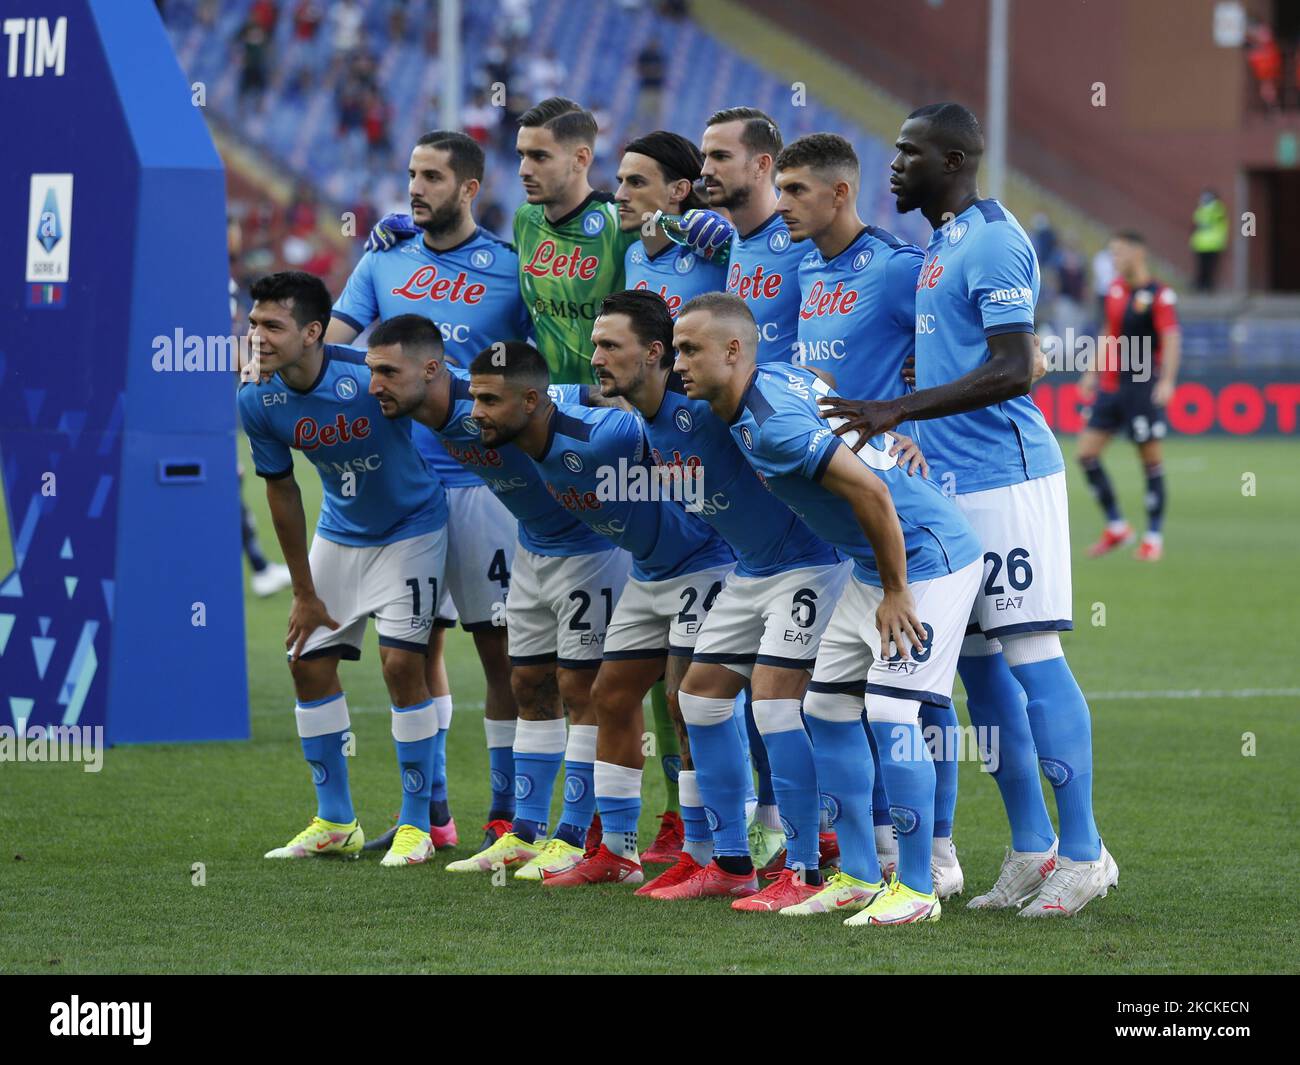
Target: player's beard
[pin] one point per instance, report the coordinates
(732, 200)
(441, 220)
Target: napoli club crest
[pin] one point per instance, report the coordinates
(481, 258)
(779, 241)
(412, 781)
(683, 420)
(345, 388)
(469, 425)
(832, 807)
(1058, 773)
(905, 819)
(572, 462)
(319, 774)
(957, 232)
(592, 223)
(574, 789)
(861, 259)
(523, 786)
(685, 264)
(745, 438)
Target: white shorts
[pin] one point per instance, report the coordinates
(771, 621)
(481, 539)
(1025, 531)
(850, 661)
(559, 608)
(655, 618)
(397, 583)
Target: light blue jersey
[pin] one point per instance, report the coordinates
(588, 464)
(378, 489)
(789, 444)
(764, 533)
(857, 321)
(544, 528)
(470, 291)
(980, 279)
(676, 273)
(763, 270)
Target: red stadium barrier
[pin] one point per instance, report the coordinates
(1227, 405)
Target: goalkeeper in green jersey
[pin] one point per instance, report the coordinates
(570, 245)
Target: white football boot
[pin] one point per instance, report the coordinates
(1023, 873)
(1072, 885)
(946, 872)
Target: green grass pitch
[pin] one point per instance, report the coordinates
(95, 871)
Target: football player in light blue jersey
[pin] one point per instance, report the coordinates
(914, 556)
(596, 464)
(465, 280)
(657, 173)
(767, 622)
(740, 148)
(975, 362)
(379, 550)
(857, 329)
(555, 637)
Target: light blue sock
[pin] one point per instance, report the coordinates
(325, 757)
(439, 791)
(879, 797)
(943, 721)
(758, 755)
(844, 774)
(1062, 727)
(996, 702)
(415, 729)
(580, 778)
(794, 779)
(721, 772)
(905, 761)
(751, 793)
(618, 795)
(539, 752)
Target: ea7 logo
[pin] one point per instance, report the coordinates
(42, 50)
(272, 398)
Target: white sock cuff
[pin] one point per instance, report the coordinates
(582, 744)
(884, 709)
(540, 737)
(977, 645)
(698, 710)
(1027, 647)
(688, 788)
(411, 726)
(442, 706)
(777, 715)
(616, 781)
(321, 720)
(499, 733)
(830, 706)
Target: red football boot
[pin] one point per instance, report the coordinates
(444, 836)
(683, 869)
(828, 851)
(710, 882)
(594, 835)
(774, 866)
(785, 889)
(603, 867)
(1110, 540)
(1149, 551)
(667, 846)
(493, 831)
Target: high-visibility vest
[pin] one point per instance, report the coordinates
(1211, 222)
